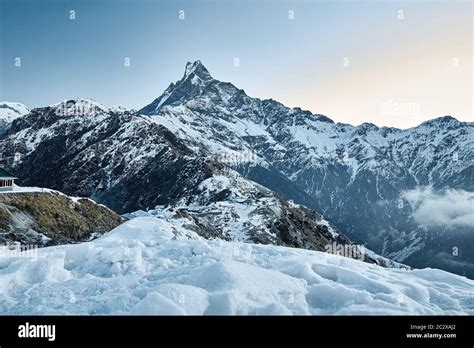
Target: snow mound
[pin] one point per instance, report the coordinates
(145, 266)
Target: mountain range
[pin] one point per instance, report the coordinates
(241, 168)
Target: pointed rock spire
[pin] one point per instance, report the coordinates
(197, 69)
(196, 78)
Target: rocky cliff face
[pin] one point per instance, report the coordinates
(233, 208)
(44, 218)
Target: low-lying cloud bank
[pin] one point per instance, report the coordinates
(449, 207)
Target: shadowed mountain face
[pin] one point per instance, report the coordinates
(81, 148)
(374, 184)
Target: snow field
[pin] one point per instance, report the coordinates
(145, 267)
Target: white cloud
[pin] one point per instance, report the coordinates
(450, 207)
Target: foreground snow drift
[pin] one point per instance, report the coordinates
(145, 267)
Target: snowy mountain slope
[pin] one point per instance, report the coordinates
(9, 112)
(83, 149)
(352, 174)
(127, 162)
(145, 267)
(232, 208)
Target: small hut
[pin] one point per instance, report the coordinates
(7, 180)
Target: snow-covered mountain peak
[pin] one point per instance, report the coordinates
(119, 109)
(368, 126)
(443, 121)
(198, 69)
(196, 78)
(10, 111)
(79, 107)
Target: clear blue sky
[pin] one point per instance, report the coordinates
(298, 62)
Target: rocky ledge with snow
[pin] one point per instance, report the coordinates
(31, 216)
